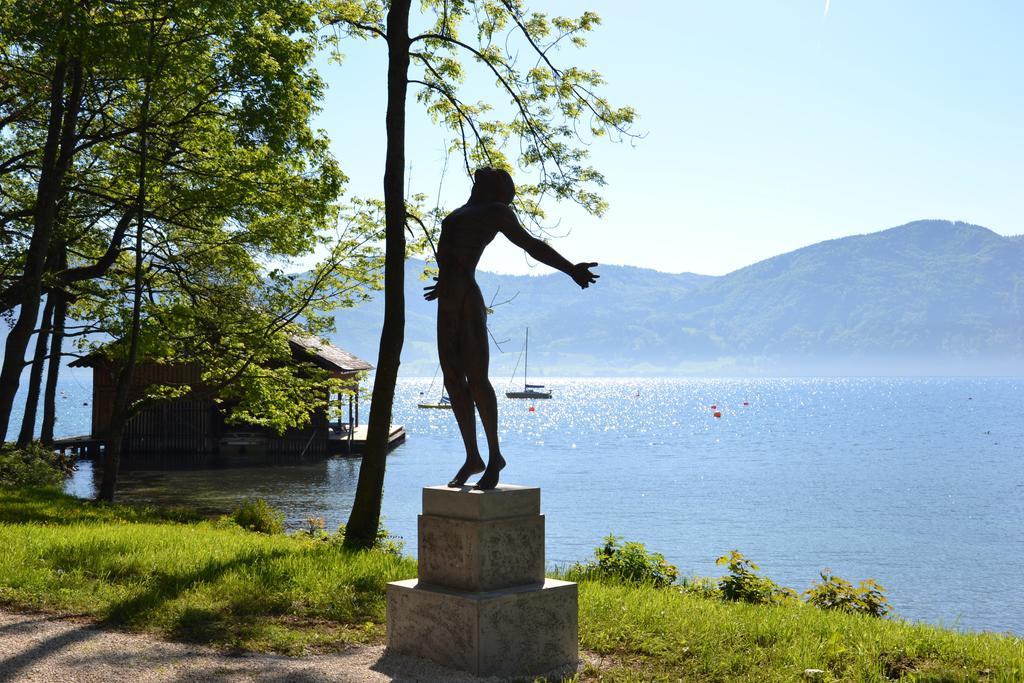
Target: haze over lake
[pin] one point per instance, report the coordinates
(917, 483)
(926, 298)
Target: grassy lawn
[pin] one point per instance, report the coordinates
(645, 634)
(195, 580)
(189, 579)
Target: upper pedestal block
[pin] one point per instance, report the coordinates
(481, 556)
(502, 502)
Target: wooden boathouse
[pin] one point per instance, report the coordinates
(191, 430)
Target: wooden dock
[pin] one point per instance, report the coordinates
(342, 443)
(338, 443)
(82, 446)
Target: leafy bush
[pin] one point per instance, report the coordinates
(700, 587)
(257, 515)
(34, 465)
(839, 594)
(625, 563)
(743, 584)
(384, 542)
(315, 528)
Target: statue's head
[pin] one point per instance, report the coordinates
(493, 185)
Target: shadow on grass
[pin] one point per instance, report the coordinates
(260, 617)
(54, 508)
(216, 626)
(166, 587)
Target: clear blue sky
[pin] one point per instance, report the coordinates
(770, 125)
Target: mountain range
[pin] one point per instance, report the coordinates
(928, 297)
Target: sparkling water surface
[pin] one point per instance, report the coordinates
(917, 483)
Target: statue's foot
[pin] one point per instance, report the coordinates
(490, 479)
(466, 471)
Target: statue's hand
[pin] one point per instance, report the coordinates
(430, 292)
(582, 276)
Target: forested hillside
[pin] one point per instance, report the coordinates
(930, 297)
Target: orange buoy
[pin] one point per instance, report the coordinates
(718, 414)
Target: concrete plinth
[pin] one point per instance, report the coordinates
(519, 631)
(481, 603)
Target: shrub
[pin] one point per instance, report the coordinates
(257, 515)
(700, 587)
(392, 545)
(384, 542)
(34, 465)
(315, 528)
(625, 563)
(743, 584)
(839, 594)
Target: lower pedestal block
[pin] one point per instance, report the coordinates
(520, 631)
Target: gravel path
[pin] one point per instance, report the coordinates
(47, 648)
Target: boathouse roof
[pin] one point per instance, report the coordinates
(328, 356)
(321, 353)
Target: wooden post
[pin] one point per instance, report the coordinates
(351, 425)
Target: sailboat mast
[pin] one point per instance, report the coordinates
(526, 364)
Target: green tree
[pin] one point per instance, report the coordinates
(546, 115)
(191, 166)
(45, 57)
(230, 92)
(227, 174)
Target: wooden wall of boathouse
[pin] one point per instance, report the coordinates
(187, 431)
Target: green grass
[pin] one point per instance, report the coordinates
(646, 634)
(170, 573)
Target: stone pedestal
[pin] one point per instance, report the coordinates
(481, 603)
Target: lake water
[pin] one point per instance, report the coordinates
(917, 483)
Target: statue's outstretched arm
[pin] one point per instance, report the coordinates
(543, 252)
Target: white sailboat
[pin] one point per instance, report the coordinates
(444, 403)
(529, 390)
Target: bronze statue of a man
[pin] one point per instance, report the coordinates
(462, 343)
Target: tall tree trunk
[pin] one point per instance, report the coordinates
(114, 439)
(121, 413)
(364, 520)
(35, 379)
(60, 313)
(58, 153)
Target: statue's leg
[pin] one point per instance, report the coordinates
(458, 392)
(487, 405)
(462, 406)
(474, 338)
